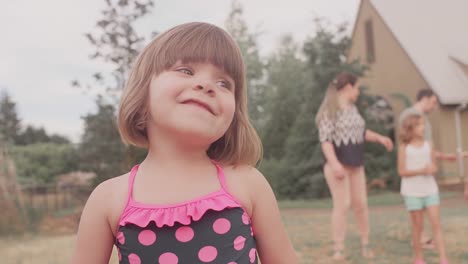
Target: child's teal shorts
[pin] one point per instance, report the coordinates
(419, 203)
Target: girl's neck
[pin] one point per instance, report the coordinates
(171, 153)
(181, 167)
(417, 141)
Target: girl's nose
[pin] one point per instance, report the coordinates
(205, 86)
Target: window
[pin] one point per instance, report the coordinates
(370, 48)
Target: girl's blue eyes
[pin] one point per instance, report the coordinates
(221, 83)
(186, 71)
(224, 84)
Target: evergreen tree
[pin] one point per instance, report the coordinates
(9, 120)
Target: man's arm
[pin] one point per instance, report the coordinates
(445, 156)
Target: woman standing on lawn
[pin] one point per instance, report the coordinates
(342, 133)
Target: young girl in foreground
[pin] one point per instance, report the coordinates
(197, 197)
(416, 166)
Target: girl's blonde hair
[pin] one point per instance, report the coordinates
(408, 125)
(329, 106)
(191, 42)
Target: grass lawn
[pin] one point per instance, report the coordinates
(308, 223)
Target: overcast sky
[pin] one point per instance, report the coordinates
(43, 47)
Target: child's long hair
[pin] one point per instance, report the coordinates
(329, 106)
(191, 42)
(408, 125)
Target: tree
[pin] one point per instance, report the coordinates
(326, 53)
(379, 117)
(41, 163)
(33, 135)
(101, 150)
(247, 42)
(9, 120)
(117, 44)
(58, 139)
(287, 77)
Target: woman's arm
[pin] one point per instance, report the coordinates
(326, 127)
(372, 136)
(273, 244)
(402, 170)
(330, 155)
(329, 152)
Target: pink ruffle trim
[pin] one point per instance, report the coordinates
(184, 213)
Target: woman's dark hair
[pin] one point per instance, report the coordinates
(329, 106)
(342, 79)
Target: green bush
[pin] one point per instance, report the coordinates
(41, 163)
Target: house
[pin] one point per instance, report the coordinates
(409, 45)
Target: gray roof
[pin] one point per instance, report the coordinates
(434, 33)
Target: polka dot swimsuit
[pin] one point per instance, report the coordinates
(211, 229)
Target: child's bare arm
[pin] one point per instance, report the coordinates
(95, 238)
(402, 169)
(273, 243)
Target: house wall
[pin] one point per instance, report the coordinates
(393, 75)
(392, 72)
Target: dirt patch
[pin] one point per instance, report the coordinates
(53, 225)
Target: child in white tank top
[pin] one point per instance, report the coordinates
(416, 166)
(421, 185)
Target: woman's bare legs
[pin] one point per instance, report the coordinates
(339, 189)
(358, 191)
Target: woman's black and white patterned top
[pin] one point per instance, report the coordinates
(347, 133)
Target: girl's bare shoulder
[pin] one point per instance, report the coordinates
(112, 195)
(242, 182)
(113, 187)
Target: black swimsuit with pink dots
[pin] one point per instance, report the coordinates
(211, 229)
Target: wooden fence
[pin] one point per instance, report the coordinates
(51, 198)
